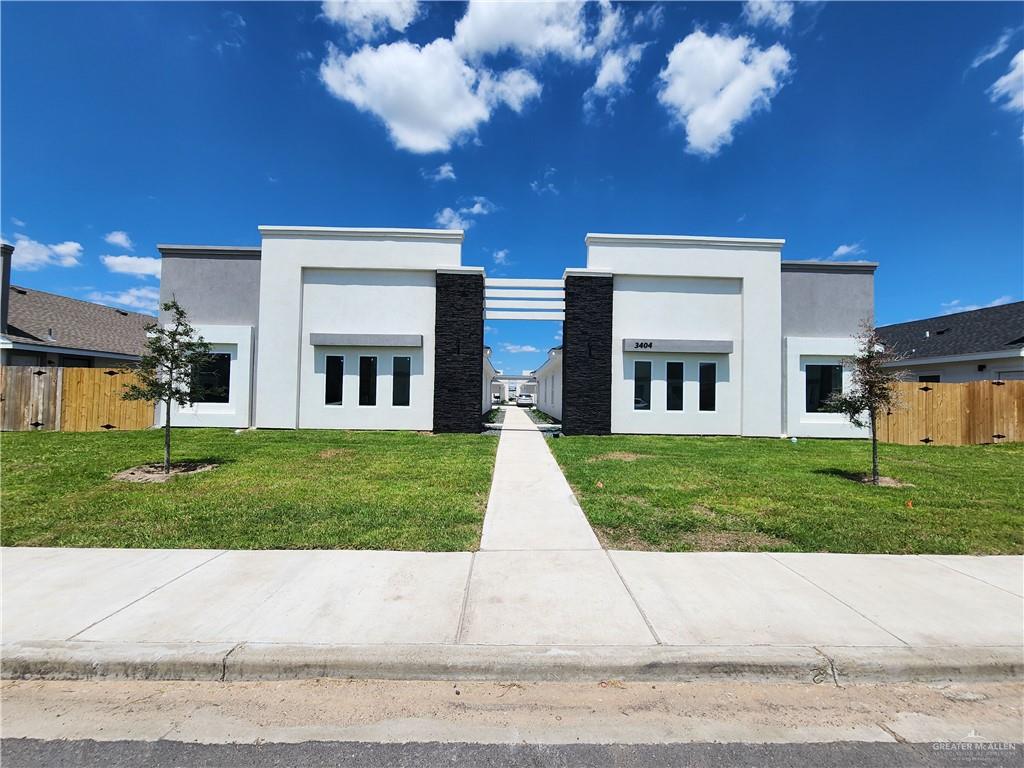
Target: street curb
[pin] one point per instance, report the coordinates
(79, 660)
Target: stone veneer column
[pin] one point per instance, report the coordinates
(587, 356)
(458, 351)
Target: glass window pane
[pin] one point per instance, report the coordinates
(367, 380)
(821, 381)
(212, 379)
(674, 374)
(335, 380)
(641, 385)
(707, 374)
(401, 366)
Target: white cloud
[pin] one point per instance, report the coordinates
(146, 298)
(773, 13)
(848, 249)
(233, 36)
(140, 266)
(449, 218)
(370, 20)
(444, 172)
(545, 185)
(31, 255)
(515, 349)
(462, 217)
(501, 257)
(428, 97)
(17, 222)
(712, 83)
(652, 18)
(998, 47)
(1010, 87)
(119, 238)
(530, 29)
(956, 305)
(613, 76)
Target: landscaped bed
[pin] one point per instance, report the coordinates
(271, 490)
(720, 493)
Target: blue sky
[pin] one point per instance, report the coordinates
(884, 131)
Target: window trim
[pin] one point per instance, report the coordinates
(376, 381)
(701, 363)
(408, 381)
(341, 403)
(650, 386)
(682, 385)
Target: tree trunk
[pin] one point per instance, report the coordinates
(167, 438)
(874, 451)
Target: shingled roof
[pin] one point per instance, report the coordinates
(994, 329)
(48, 320)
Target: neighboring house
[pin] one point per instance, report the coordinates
(982, 344)
(549, 384)
(44, 329)
(383, 329)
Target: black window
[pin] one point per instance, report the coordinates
(674, 398)
(929, 378)
(822, 381)
(367, 380)
(212, 379)
(641, 385)
(707, 374)
(400, 368)
(333, 390)
(73, 361)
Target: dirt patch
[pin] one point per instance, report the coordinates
(154, 473)
(616, 456)
(334, 453)
(886, 482)
(731, 541)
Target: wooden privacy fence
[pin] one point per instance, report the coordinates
(970, 413)
(68, 400)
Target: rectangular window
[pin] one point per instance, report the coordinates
(707, 375)
(822, 381)
(367, 380)
(212, 379)
(929, 378)
(674, 374)
(335, 380)
(400, 369)
(641, 385)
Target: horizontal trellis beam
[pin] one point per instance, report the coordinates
(497, 314)
(520, 293)
(523, 304)
(515, 282)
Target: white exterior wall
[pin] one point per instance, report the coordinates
(486, 399)
(549, 385)
(951, 372)
(352, 282)
(697, 289)
(800, 352)
(235, 340)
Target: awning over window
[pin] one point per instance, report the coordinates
(366, 339)
(708, 346)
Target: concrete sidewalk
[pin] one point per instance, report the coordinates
(531, 615)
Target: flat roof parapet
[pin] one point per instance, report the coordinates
(595, 238)
(364, 233)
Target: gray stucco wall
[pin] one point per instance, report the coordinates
(831, 303)
(219, 290)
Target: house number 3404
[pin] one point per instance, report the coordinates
(643, 345)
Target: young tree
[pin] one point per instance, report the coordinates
(873, 390)
(169, 371)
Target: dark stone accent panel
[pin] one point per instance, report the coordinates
(458, 352)
(587, 356)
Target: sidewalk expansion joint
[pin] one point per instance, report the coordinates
(640, 610)
(224, 661)
(838, 599)
(465, 600)
(969, 575)
(143, 597)
(821, 674)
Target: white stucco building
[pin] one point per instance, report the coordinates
(383, 329)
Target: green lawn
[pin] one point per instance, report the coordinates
(720, 493)
(274, 489)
